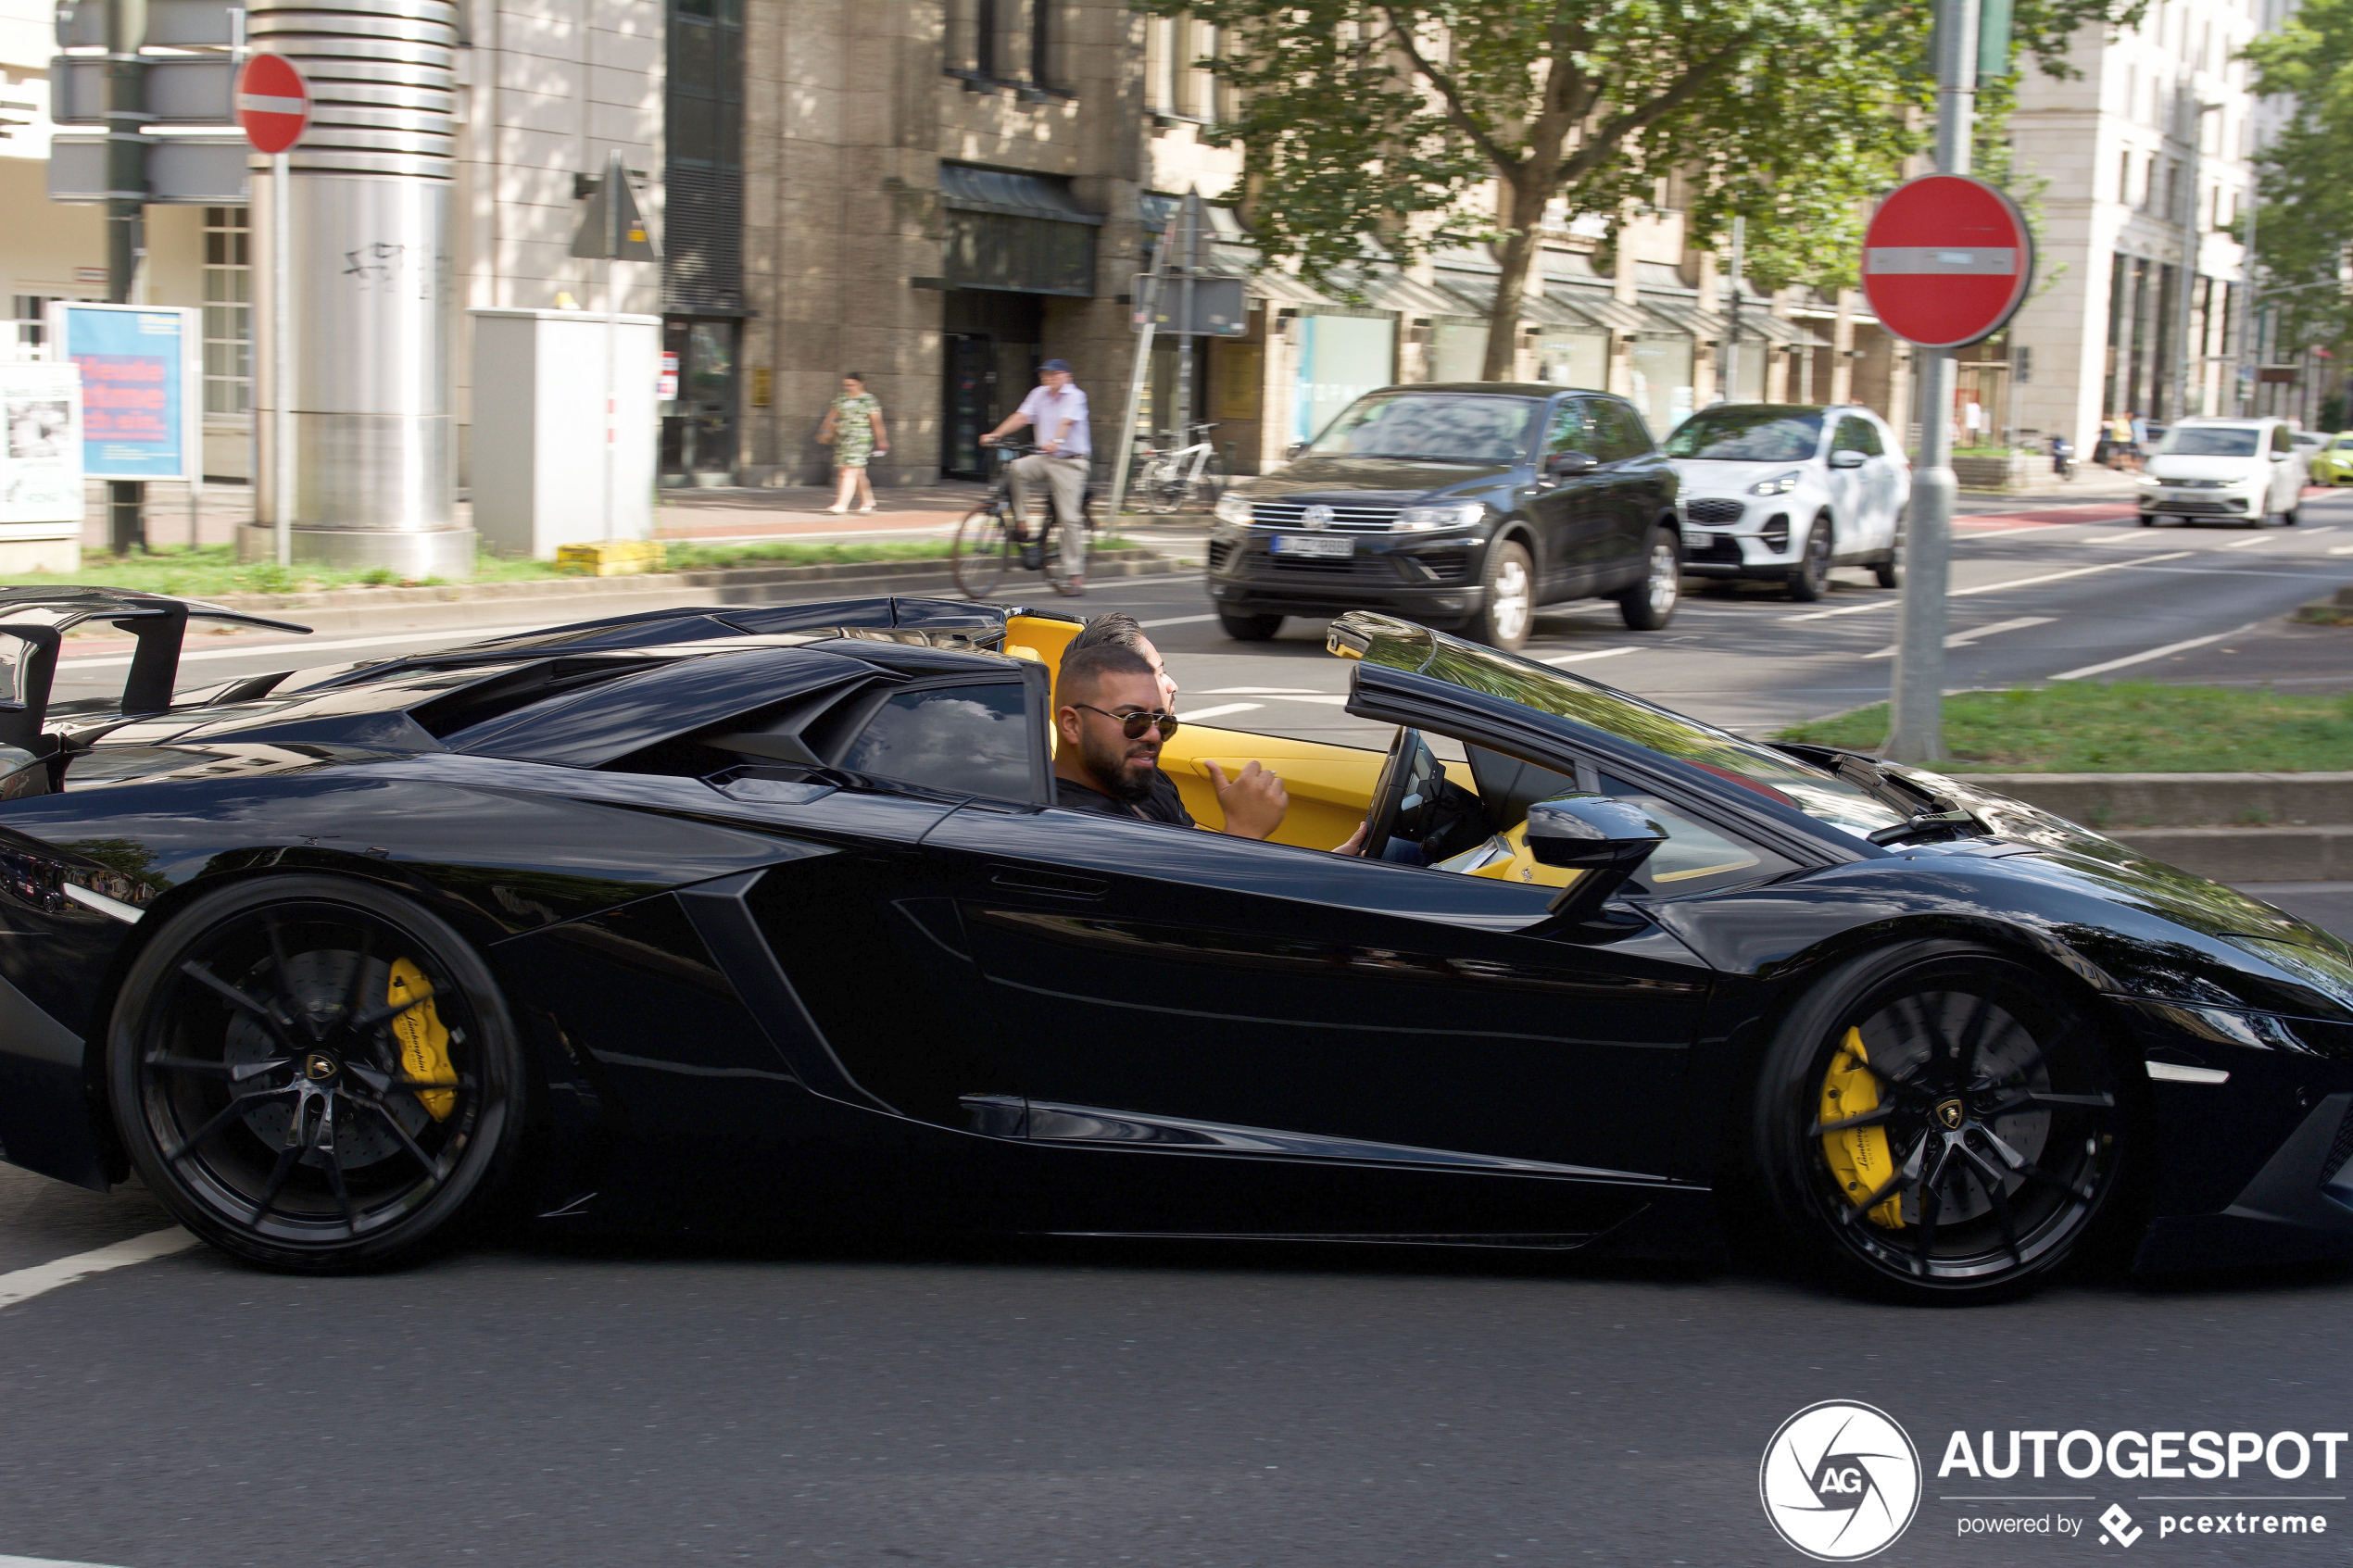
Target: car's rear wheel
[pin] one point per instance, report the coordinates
(1650, 604)
(1811, 577)
(316, 1074)
(1248, 628)
(1509, 604)
(1939, 1122)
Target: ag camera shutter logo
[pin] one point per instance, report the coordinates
(1840, 1481)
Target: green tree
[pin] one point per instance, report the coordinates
(2304, 221)
(1372, 130)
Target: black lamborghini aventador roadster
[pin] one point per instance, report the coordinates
(766, 919)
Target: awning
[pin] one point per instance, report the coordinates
(1682, 315)
(1780, 330)
(1394, 291)
(1601, 308)
(968, 189)
(1478, 290)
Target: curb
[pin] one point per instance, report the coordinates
(2336, 610)
(2233, 854)
(2282, 827)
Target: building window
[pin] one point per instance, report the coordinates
(1162, 51)
(1043, 31)
(228, 311)
(702, 206)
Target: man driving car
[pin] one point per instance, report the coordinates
(1253, 797)
(1110, 718)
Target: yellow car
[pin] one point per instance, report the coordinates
(2332, 464)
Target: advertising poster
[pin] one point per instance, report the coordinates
(41, 464)
(140, 417)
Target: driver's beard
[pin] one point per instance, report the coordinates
(1107, 765)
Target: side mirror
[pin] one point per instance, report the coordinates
(1604, 838)
(1847, 457)
(1568, 465)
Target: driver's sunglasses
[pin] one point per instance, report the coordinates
(1133, 726)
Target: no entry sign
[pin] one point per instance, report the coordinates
(274, 103)
(1946, 260)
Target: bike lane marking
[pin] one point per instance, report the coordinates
(23, 1284)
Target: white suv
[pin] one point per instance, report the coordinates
(1786, 491)
(2243, 471)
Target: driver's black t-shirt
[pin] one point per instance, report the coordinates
(1162, 805)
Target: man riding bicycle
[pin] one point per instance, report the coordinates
(1058, 409)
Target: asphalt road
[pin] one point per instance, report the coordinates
(1022, 1406)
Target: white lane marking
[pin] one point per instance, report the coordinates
(2342, 551)
(1199, 714)
(2141, 657)
(1581, 658)
(1177, 621)
(1257, 691)
(23, 1284)
(1893, 601)
(259, 650)
(1963, 639)
(45, 1562)
(2113, 538)
(2243, 543)
(2317, 532)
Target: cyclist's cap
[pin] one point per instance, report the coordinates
(1061, 365)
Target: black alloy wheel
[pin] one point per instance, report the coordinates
(1811, 577)
(983, 548)
(1248, 628)
(1970, 1149)
(1890, 572)
(316, 1074)
(1649, 605)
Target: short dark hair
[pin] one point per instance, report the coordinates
(857, 376)
(1084, 668)
(1114, 628)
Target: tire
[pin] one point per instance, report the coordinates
(1971, 1058)
(1811, 578)
(1250, 628)
(982, 550)
(1650, 604)
(2293, 516)
(400, 1172)
(1508, 606)
(1209, 486)
(1890, 572)
(2148, 520)
(1163, 486)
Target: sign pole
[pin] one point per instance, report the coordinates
(615, 173)
(1917, 705)
(126, 115)
(1126, 450)
(282, 460)
(1189, 215)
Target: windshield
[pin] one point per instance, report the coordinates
(2210, 440)
(1748, 435)
(1440, 427)
(1773, 774)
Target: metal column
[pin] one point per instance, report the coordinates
(367, 210)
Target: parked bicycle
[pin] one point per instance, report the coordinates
(1189, 476)
(992, 539)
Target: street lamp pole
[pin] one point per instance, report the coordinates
(1917, 731)
(2193, 251)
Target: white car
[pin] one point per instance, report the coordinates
(2240, 470)
(1786, 491)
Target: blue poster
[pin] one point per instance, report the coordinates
(134, 419)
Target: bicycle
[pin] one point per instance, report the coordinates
(1193, 475)
(991, 538)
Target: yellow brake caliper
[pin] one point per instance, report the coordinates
(1858, 1156)
(424, 1043)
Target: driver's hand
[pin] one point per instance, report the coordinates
(1355, 845)
(1254, 799)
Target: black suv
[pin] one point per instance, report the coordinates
(1460, 505)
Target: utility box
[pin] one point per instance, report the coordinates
(539, 468)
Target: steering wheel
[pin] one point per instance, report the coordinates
(1403, 793)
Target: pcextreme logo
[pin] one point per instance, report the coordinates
(1840, 1481)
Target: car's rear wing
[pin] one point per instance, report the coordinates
(33, 622)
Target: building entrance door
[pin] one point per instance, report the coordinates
(971, 389)
(699, 422)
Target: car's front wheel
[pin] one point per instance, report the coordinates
(316, 1074)
(1810, 579)
(1248, 628)
(1650, 604)
(1509, 604)
(1939, 1122)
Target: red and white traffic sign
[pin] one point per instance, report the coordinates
(274, 103)
(1946, 260)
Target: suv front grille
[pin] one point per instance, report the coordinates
(1345, 520)
(1715, 509)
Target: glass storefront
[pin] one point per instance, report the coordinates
(699, 424)
(1571, 357)
(1457, 350)
(1341, 359)
(1662, 366)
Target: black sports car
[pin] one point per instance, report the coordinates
(764, 918)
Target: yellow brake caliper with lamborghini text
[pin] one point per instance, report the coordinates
(424, 1043)
(1858, 1156)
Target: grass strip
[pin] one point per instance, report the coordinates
(2121, 727)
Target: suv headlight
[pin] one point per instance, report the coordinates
(1233, 509)
(1449, 514)
(1781, 484)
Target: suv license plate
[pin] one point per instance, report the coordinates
(1313, 544)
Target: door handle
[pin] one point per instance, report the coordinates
(1062, 886)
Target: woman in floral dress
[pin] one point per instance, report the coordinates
(854, 428)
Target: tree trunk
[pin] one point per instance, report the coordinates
(1519, 260)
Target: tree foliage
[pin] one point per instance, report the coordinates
(1372, 130)
(2304, 222)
